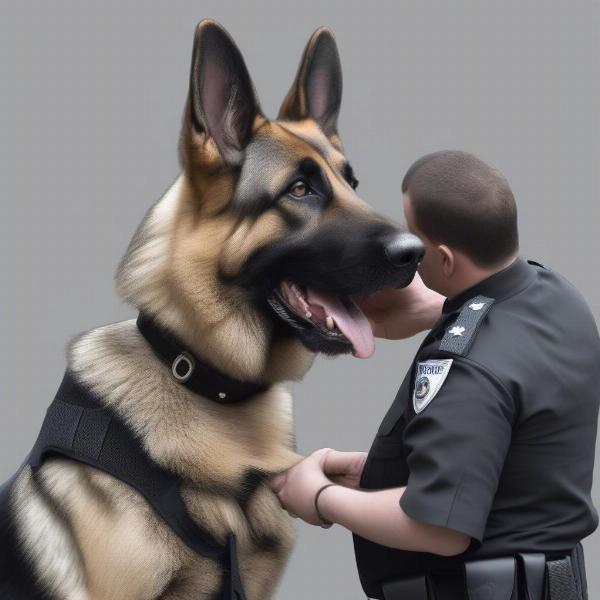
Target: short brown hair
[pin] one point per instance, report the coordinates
(459, 200)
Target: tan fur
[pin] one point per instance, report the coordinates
(171, 270)
(249, 236)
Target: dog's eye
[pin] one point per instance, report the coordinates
(299, 189)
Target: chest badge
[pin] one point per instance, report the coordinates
(429, 378)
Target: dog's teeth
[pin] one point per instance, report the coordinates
(296, 291)
(329, 322)
(303, 303)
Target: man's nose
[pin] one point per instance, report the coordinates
(404, 249)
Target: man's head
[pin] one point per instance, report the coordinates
(465, 213)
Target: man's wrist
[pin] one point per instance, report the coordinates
(325, 522)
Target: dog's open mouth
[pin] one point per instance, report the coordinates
(337, 323)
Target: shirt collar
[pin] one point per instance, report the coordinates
(500, 285)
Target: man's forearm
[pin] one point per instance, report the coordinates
(378, 516)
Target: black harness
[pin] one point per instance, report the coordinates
(79, 426)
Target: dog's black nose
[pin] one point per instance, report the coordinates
(404, 249)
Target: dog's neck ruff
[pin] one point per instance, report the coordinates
(189, 371)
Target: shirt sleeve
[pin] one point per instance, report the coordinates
(455, 450)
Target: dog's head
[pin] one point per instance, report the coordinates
(267, 236)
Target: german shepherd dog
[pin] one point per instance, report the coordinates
(250, 258)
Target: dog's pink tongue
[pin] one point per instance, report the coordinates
(350, 321)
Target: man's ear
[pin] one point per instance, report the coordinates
(317, 89)
(448, 260)
(223, 103)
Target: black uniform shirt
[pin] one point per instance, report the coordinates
(493, 430)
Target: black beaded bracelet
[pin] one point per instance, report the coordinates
(324, 522)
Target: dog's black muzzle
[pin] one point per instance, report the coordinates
(342, 257)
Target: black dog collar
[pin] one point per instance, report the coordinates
(189, 371)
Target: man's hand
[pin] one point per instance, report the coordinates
(345, 468)
(401, 313)
(296, 488)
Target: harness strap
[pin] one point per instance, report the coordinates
(76, 425)
(232, 583)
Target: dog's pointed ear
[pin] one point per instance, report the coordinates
(223, 103)
(317, 89)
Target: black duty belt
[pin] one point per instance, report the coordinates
(78, 426)
(520, 577)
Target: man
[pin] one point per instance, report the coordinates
(478, 482)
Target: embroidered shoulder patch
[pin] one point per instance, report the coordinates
(429, 378)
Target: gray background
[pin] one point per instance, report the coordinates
(90, 107)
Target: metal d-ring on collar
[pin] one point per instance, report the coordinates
(187, 370)
(187, 360)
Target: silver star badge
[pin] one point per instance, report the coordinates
(477, 305)
(456, 331)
